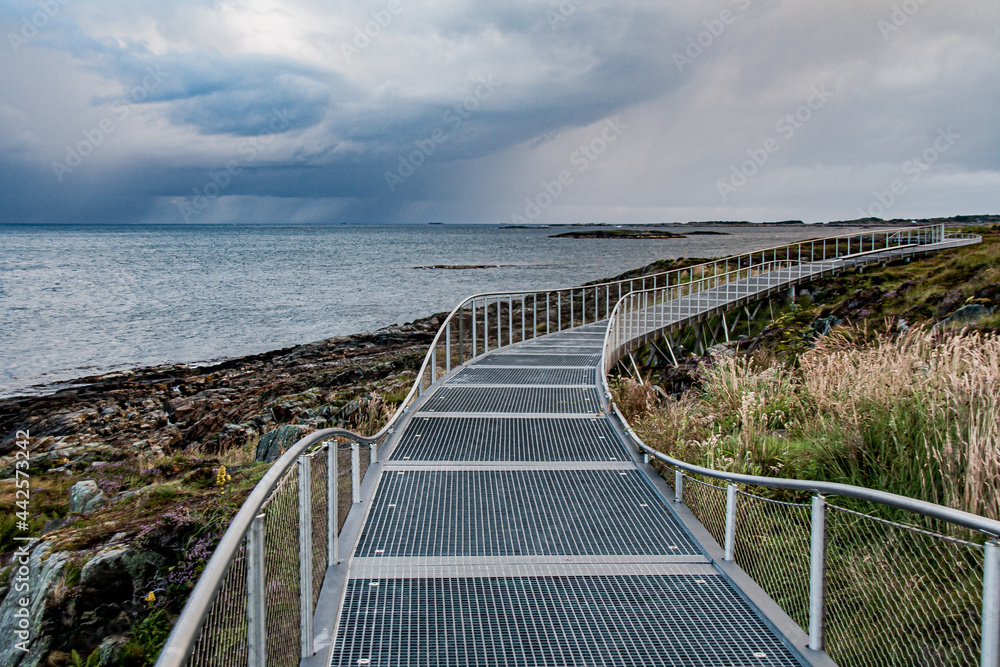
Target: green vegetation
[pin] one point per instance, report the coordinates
(902, 395)
(883, 401)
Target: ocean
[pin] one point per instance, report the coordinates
(83, 300)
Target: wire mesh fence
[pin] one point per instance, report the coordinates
(223, 640)
(899, 595)
(708, 503)
(772, 545)
(892, 594)
(318, 503)
(281, 577)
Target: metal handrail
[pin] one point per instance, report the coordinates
(181, 641)
(614, 348)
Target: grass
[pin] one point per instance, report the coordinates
(912, 414)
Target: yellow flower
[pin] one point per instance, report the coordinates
(151, 598)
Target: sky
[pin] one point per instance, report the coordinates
(548, 111)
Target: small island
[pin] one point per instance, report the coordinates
(619, 234)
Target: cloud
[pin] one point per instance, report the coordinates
(700, 85)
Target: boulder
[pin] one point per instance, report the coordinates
(105, 577)
(274, 443)
(967, 313)
(43, 577)
(85, 497)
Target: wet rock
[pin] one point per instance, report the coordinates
(85, 497)
(274, 443)
(43, 577)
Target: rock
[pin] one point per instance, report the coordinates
(85, 497)
(274, 443)
(966, 314)
(823, 325)
(723, 350)
(109, 652)
(105, 577)
(43, 577)
(53, 524)
(236, 435)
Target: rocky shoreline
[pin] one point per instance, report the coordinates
(134, 476)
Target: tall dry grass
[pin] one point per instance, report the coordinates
(917, 414)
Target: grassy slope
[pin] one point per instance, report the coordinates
(901, 431)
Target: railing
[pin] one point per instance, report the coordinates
(870, 591)
(254, 604)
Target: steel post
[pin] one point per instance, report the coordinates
(373, 456)
(990, 654)
(356, 471)
(678, 486)
(730, 522)
(510, 320)
(447, 348)
(332, 506)
(305, 556)
(256, 599)
(473, 328)
(817, 573)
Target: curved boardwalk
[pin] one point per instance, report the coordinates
(511, 526)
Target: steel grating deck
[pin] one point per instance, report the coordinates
(511, 526)
(555, 400)
(540, 360)
(524, 376)
(519, 513)
(678, 620)
(508, 439)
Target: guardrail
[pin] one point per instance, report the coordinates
(253, 604)
(871, 591)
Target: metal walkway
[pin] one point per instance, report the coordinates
(512, 526)
(507, 516)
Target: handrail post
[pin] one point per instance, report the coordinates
(679, 486)
(332, 506)
(990, 654)
(256, 600)
(730, 522)
(305, 556)
(433, 363)
(356, 471)
(817, 574)
(447, 348)
(558, 311)
(474, 329)
(373, 455)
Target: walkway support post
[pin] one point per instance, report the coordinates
(356, 471)
(256, 602)
(817, 574)
(730, 522)
(333, 520)
(305, 556)
(990, 654)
